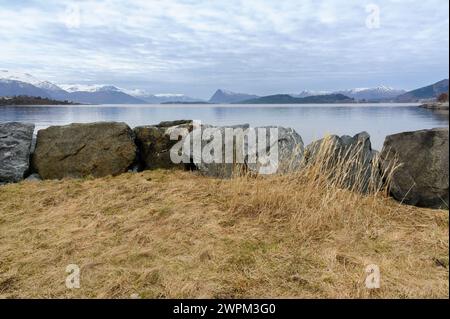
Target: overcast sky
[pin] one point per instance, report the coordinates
(254, 46)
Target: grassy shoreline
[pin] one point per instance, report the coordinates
(172, 234)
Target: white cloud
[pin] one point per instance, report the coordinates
(203, 44)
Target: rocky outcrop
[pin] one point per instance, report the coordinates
(422, 176)
(15, 144)
(154, 143)
(349, 161)
(79, 150)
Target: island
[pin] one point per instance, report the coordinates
(32, 100)
(289, 99)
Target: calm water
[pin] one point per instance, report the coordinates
(310, 121)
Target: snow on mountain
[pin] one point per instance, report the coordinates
(375, 94)
(89, 88)
(28, 78)
(307, 93)
(159, 97)
(369, 94)
(17, 76)
(15, 87)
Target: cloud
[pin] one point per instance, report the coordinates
(263, 46)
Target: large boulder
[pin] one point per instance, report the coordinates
(421, 158)
(289, 145)
(237, 155)
(154, 143)
(349, 161)
(15, 144)
(79, 150)
(214, 140)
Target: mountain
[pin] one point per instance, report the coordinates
(161, 97)
(93, 94)
(306, 93)
(425, 93)
(288, 99)
(15, 84)
(98, 94)
(103, 97)
(380, 93)
(373, 94)
(13, 88)
(224, 96)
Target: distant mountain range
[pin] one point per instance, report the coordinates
(425, 93)
(224, 96)
(15, 84)
(288, 99)
(377, 94)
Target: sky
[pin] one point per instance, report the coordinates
(254, 46)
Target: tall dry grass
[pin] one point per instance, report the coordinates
(162, 234)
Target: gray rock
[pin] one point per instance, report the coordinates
(15, 145)
(214, 141)
(79, 150)
(422, 178)
(244, 158)
(290, 152)
(349, 161)
(34, 178)
(154, 143)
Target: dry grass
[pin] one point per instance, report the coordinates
(172, 234)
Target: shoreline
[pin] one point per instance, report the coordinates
(353, 105)
(435, 106)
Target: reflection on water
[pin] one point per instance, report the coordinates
(310, 121)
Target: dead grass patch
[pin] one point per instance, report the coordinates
(172, 234)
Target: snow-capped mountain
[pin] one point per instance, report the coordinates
(29, 79)
(21, 77)
(90, 88)
(13, 88)
(379, 93)
(16, 83)
(160, 97)
(99, 94)
(225, 96)
(373, 94)
(307, 93)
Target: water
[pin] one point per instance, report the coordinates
(310, 121)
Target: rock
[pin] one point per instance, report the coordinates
(422, 178)
(435, 106)
(349, 161)
(154, 143)
(290, 151)
(15, 144)
(173, 123)
(243, 157)
(79, 150)
(34, 178)
(221, 168)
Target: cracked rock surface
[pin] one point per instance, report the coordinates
(15, 144)
(80, 150)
